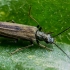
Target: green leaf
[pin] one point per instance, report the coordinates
(53, 16)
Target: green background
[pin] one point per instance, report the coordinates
(52, 15)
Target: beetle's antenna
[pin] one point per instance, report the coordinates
(31, 15)
(62, 50)
(62, 32)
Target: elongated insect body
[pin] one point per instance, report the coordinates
(16, 31)
(30, 33)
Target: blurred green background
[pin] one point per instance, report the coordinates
(52, 15)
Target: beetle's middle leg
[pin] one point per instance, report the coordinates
(19, 49)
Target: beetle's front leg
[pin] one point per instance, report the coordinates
(43, 46)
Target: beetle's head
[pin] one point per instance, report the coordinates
(48, 39)
(44, 37)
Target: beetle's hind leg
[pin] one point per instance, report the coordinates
(19, 49)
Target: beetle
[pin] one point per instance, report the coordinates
(30, 33)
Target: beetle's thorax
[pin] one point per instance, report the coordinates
(44, 37)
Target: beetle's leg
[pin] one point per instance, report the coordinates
(19, 49)
(29, 13)
(43, 46)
